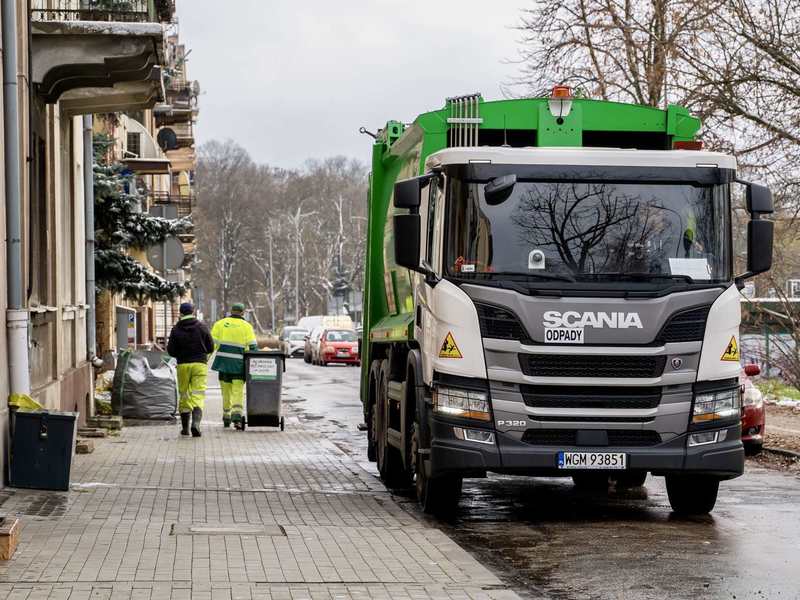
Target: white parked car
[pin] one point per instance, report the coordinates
(293, 341)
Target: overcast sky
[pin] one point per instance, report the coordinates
(295, 79)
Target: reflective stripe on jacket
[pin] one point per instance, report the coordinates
(232, 337)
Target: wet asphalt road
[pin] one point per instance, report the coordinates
(547, 540)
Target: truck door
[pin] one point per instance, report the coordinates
(432, 210)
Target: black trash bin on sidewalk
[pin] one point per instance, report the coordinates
(42, 449)
(263, 381)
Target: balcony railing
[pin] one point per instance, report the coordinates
(182, 203)
(124, 11)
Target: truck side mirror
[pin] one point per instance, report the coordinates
(408, 192)
(406, 240)
(760, 233)
(759, 246)
(759, 199)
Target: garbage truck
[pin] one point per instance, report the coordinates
(551, 289)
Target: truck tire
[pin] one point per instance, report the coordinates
(372, 413)
(390, 463)
(591, 482)
(438, 496)
(630, 479)
(372, 453)
(692, 494)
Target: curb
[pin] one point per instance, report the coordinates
(783, 452)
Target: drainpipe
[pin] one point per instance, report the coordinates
(88, 217)
(16, 315)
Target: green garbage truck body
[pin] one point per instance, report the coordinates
(550, 290)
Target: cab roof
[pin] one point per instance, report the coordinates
(610, 157)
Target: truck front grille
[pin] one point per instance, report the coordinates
(577, 365)
(500, 323)
(568, 437)
(552, 396)
(686, 326)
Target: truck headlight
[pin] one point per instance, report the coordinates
(465, 404)
(723, 405)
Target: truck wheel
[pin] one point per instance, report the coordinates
(372, 453)
(438, 496)
(591, 482)
(692, 495)
(630, 479)
(390, 463)
(372, 413)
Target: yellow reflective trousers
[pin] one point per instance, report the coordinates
(232, 397)
(192, 386)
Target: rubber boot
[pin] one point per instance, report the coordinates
(185, 423)
(197, 416)
(226, 422)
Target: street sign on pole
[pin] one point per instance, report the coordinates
(167, 256)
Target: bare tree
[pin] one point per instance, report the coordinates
(284, 237)
(734, 63)
(612, 49)
(224, 175)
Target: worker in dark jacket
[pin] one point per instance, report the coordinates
(190, 343)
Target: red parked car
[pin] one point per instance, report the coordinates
(753, 412)
(338, 346)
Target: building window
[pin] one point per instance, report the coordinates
(793, 288)
(134, 145)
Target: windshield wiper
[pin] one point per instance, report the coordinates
(639, 276)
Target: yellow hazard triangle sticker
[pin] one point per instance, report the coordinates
(449, 348)
(732, 351)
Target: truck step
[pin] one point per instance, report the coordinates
(395, 438)
(396, 390)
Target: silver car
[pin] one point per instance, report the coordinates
(292, 341)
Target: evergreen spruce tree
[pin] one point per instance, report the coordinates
(121, 225)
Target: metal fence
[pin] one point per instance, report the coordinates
(182, 203)
(125, 11)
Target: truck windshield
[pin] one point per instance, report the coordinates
(589, 231)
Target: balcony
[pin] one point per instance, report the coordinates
(119, 11)
(99, 55)
(185, 134)
(181, 203)
(167, 115)
(176, 206)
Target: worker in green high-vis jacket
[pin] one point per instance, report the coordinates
(232, 337)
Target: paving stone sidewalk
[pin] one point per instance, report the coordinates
(255, 514)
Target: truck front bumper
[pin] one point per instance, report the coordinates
(449, 455)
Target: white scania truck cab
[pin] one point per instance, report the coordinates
(576, 312)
